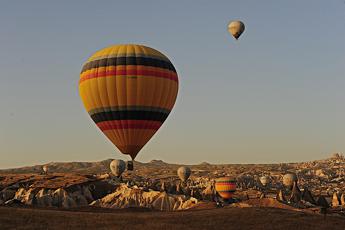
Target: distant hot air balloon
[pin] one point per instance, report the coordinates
(225, 186)
(45, 169)
(129, 91)
(289, 179)
(117, 167)
(236, 28)
(265, 180)
(183, 173)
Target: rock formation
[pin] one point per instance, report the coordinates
(280, 196)
(322, 202)
(125, 197)
(342, 199)
(295, 194)
(335, 200)
(307, 196)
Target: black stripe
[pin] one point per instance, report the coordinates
(129, 115)
(128, 61)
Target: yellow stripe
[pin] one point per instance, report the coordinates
(123, 91)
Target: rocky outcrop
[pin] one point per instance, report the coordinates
(342, 199)
(208, 192)
(25, 196)
(43, 197)
(322, 202)
(335, 200)
(7, 194)
(295, 194)
(280, 196)
(307, 196)
(125, 197)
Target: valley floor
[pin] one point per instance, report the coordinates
(204, 218)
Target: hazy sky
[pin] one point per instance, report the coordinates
(275, 95)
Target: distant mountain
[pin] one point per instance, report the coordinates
(65, 167)
(156, 166)
(84, 167)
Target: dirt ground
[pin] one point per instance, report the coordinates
(214, 218)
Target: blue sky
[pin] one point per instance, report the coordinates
(276, 95)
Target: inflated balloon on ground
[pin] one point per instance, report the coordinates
(265, 180)
(117, 167)
(183, 173)
(289, 179)
(225, 187)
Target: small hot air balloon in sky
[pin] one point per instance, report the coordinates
(129, 91)
(183, 173)
(225, 187)
(289, 179)
(236, 28)
(117, 167)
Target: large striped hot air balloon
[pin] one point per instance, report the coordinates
(225, 187)
(129, 91)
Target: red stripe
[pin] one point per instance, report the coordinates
(129, 124)
(129, 72)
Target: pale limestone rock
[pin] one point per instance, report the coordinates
(124, 197)
(335, 200)
(25, 196)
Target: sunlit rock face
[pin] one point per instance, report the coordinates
(125, 197)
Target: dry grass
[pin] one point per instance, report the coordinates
(224, 218)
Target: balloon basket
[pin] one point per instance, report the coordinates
(130, 165)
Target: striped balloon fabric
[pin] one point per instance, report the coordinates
(129, 91)
(225, 186)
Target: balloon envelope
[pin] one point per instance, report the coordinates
(183, 173)
(289, 179)
(45, 168)
(129, 91)
(225, 186)
(117, 167)
(265, 180)
(236, 28)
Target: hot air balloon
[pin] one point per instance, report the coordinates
(45, 169)
(117, 167)
(265, 180)
(236, 28)
(183, 173)
(129, 91)
(289, 179)
(225, 186)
